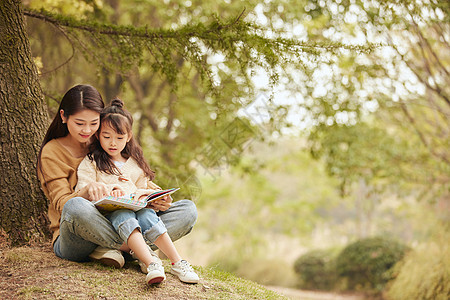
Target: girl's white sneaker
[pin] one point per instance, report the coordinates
(142, 265)
(155, 273)
(184, 272)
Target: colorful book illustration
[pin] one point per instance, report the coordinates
(110, 203)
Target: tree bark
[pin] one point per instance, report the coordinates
(23, 119)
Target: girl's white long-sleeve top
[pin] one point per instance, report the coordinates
(132, 180)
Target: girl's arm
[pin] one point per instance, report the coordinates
(87, 185)
(144, 182)
(86, 173)
(162, 204)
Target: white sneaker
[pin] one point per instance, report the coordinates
(143, 265)
(184, 271)
(109, 257)
(155, 273)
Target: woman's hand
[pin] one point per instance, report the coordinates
(161, 204)
(95, 191)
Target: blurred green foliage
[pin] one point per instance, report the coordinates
(367, 264)
(382, 116)
(425, 271)
(316, 270)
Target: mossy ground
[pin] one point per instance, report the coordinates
(34, 272)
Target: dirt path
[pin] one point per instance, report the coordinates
(295, 294)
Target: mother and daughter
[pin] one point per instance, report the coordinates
(89, 152)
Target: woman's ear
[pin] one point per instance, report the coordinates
(63, 118)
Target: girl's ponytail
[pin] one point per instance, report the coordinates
(117, 102)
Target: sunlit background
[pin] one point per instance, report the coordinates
(346, 141)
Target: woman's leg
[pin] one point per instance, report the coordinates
(82, 229)
(179, 219)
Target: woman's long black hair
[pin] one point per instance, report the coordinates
(78, 98)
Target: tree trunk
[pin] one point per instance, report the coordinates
(23, 119)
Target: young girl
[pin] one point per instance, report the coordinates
(117, 161)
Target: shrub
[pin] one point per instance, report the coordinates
(367, 263)
(316, 270)
(425, 272)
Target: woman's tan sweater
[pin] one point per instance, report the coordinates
(58, 176)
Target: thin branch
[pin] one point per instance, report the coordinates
(68, 60)
(425, 82)
(421, 136)
(430, 49)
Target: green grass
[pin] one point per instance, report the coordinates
(53, 278)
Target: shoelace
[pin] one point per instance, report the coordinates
(153, 266)
(185, 267)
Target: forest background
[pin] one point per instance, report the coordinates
(347, 138)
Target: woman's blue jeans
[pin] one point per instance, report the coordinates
(83, 228)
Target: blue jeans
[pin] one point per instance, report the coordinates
(83, 228)
(125, 221)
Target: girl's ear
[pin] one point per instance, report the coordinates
(61, 113)
(130, 135)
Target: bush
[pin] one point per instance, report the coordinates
(316, 270)
(367, 264)
(425, 272)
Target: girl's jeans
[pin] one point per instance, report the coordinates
(83, 228)
(125, 221)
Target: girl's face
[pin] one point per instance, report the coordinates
(82, 125)
(112, 142)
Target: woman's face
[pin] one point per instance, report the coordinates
(82, 125)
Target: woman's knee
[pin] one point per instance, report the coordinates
(190, 211)
(79, 208)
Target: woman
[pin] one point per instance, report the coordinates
(79, 230)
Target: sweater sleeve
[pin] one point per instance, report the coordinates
(86, 173)
(144, 188)
(55, 176)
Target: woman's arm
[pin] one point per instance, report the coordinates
(54, 176)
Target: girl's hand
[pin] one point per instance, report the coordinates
(96, 190)
(117, 192)
(162, 204)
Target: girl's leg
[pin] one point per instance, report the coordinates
(165, 244)
(82, 229)
(179, 219)
(151, 225)
(155, 232)
(125, 223)
(139, 247)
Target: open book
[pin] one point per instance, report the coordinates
(110, 203)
